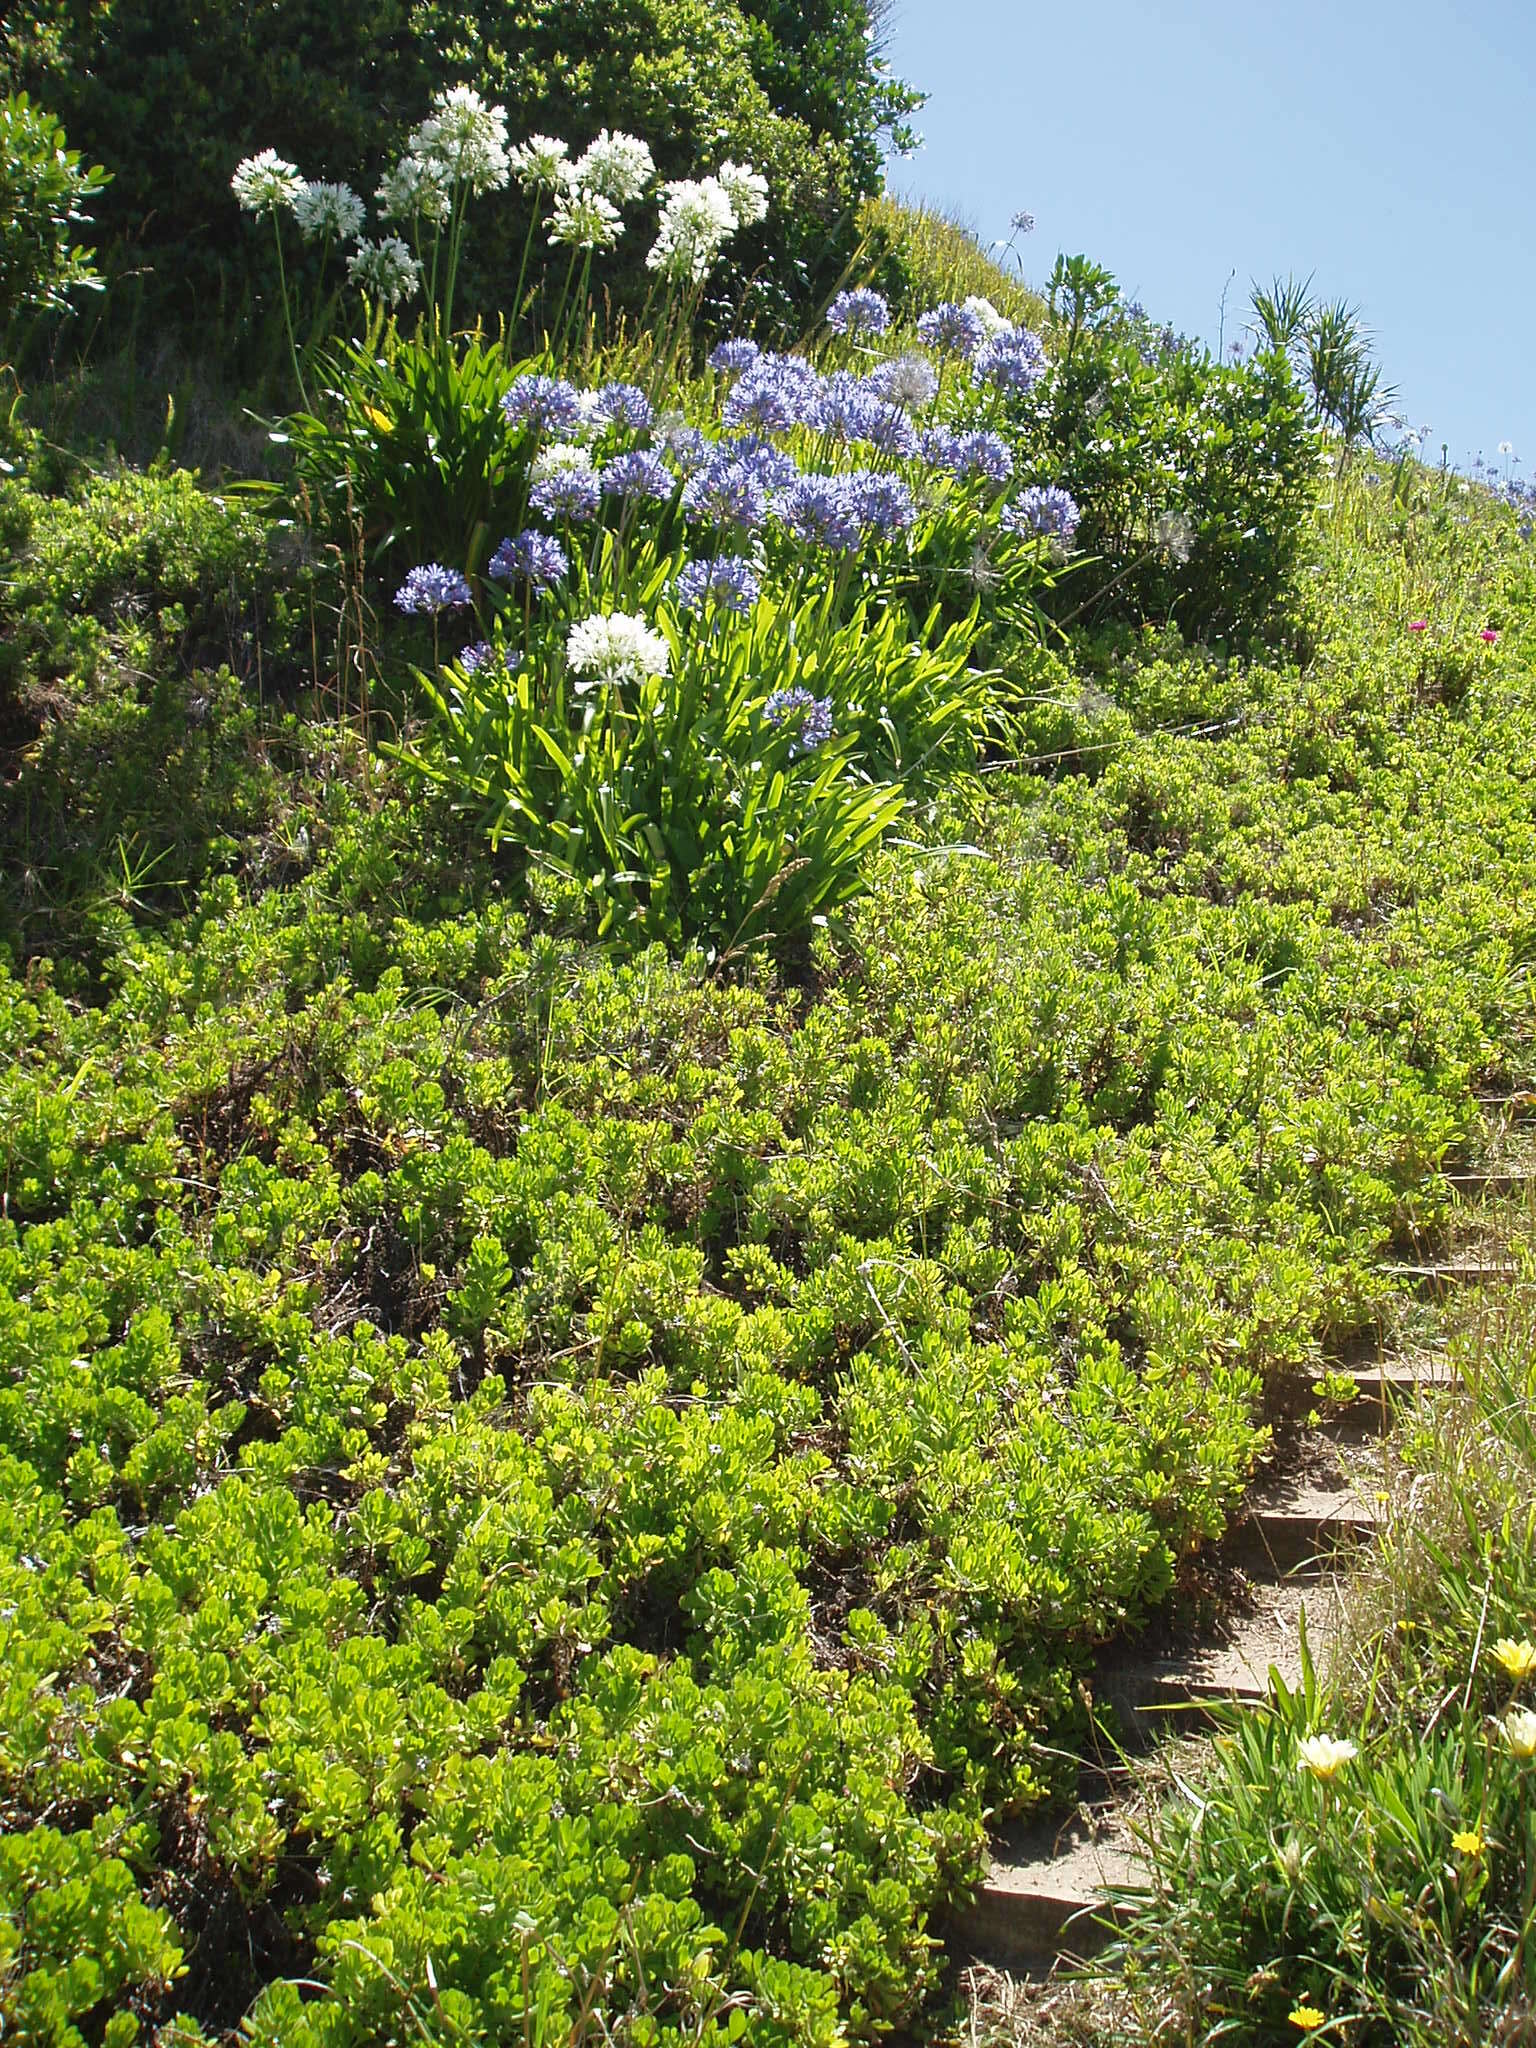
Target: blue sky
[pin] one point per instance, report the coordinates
(1390, 149)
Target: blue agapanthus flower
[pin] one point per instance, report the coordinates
(640, 474)
(773, 395)
(568, 494)
(1042, 509)
(1012, 362)
(725, 494)
(883, 503)
(950, 326)
(979, 453)
(624, 405)
(812, 714)
(772, 467)
(546, 404)
(432, 588)
(530, 557)
(886, 427)
(860, 311)
(474, 657)
(686, 448)
(821, 510)
(734, 356)
(728, 581)
(839, 405)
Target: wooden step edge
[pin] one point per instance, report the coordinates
(1381, 1394)
(1296, 1542)
(1453, 1273)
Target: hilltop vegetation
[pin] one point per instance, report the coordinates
(695, 1033)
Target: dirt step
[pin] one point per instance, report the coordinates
(1299, 1531)
(1153, 1696)
(1043, 1900)
(1511, 1179)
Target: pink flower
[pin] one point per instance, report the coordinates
(1418, 625)
(1488, 635)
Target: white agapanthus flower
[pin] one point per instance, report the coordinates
(387, 269)
(994, 322)
(747, 191)
(418, 188)
(467, 137)
(696, 218)
(264, 183)
(584, 220)
(615, 647)
(334, 211)
(541, 160)
(558, 457)
(615, 166)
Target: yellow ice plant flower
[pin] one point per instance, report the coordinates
(1520, 1731)
(1518, 1659)
(1467, 1842)
(1324, 1756)
(1306, 2017)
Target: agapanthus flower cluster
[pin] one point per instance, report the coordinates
(474, 657)
(530, 557)
(418, 188)
(615, 647)
(773, 394)
(571, 493)
(970, 453)
(556, 457)
(725, 493)
(734, 356)
(432, 588)
(638, 475)
(539, 161)
(908, 380)
(615, 166)
(334, 211)
(812, 714)
(729, 582)
(467, 137)
(386, 268)
(957, 328)
(546, 404)
(993, 323)
(624, 405)
(1044, 510)
(885, 427)
(684, 446)
(697, 219)
(1014, 361)
(860, 311)
(747, 191)
(266, 182)
(583, 220)
(772, 467)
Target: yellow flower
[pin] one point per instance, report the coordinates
(1518, 1659)
(1468, 1842)
(1307, 2017)
(1324, 1757)
(1520, 1731)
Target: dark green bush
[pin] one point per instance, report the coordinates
(171, 94)
(43, 190)
(1194, 476)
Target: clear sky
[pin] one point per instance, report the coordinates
(1389, 148)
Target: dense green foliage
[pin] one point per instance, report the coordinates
(170, 94)
(539, 1483)
(43, 190)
